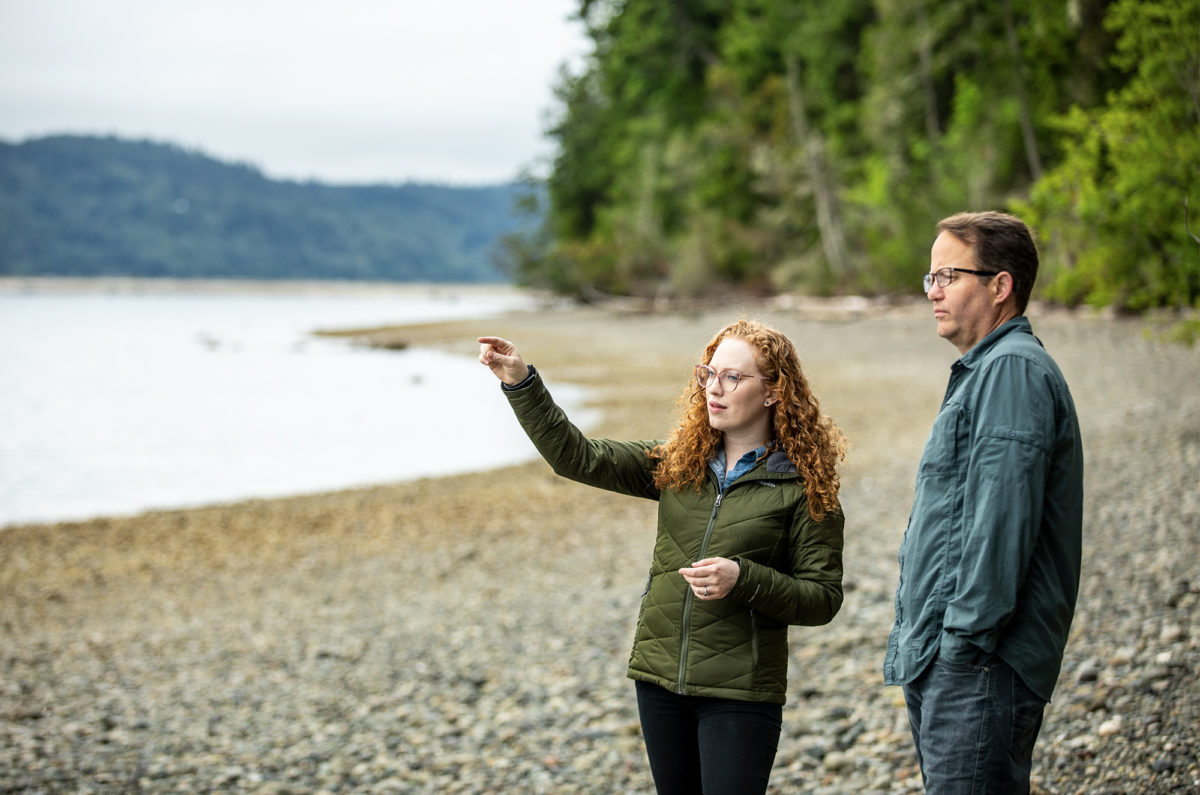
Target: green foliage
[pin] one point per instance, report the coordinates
(82, 206)
(773, 145)
(1114, 214)
(1183, 332)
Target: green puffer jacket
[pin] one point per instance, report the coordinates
(791, 566)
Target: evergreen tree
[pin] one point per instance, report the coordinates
(770, 145)
(1117, 216)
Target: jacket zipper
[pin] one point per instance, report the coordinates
(690, 598)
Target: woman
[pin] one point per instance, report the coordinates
(749, 541)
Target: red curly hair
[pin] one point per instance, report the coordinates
(810, 439)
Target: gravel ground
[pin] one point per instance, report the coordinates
(469, 634)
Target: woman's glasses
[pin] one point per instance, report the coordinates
(705, 376)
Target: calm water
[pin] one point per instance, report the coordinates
(116, 402)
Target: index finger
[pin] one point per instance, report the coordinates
(706, 563)
(496, 342)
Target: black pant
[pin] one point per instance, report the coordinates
(704, 745)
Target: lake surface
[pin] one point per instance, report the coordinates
(114, 401)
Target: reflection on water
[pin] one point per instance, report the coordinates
(111, 403)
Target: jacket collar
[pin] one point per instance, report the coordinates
(779, 463)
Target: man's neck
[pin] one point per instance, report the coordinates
(1006, 314)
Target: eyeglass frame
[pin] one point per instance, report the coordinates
(930, 278)
(713, 375)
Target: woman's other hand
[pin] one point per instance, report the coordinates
(712, 578)
(503, 359)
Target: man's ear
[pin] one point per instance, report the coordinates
(1002, 286)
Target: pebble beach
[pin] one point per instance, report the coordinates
(469, 634)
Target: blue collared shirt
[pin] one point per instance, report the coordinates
(990, 560)
(743, 465)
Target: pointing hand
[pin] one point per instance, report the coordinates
(503, 359)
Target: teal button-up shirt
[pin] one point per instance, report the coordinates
(991, 556)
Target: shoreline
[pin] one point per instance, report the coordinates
(149, 284)
(104, 384)
(469, 633)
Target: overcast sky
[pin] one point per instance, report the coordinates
(341, 91)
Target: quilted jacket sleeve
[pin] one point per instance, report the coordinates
(811, 594)
(623, 467)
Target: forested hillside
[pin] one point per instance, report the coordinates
(813, 146)
(89, 206)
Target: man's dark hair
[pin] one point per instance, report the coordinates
(999, 242)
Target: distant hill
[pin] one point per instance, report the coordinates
(102, 206)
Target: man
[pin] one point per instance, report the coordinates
(989, 565)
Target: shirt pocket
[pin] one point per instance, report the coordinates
(938, 499)
(941, 455)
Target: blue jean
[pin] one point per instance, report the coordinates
(974, 726)
(714, 746)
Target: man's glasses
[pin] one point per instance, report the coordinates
(946, 275)
(705, 376)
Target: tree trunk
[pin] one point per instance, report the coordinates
(925, 58)
(829, 225)
(1014, 46)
